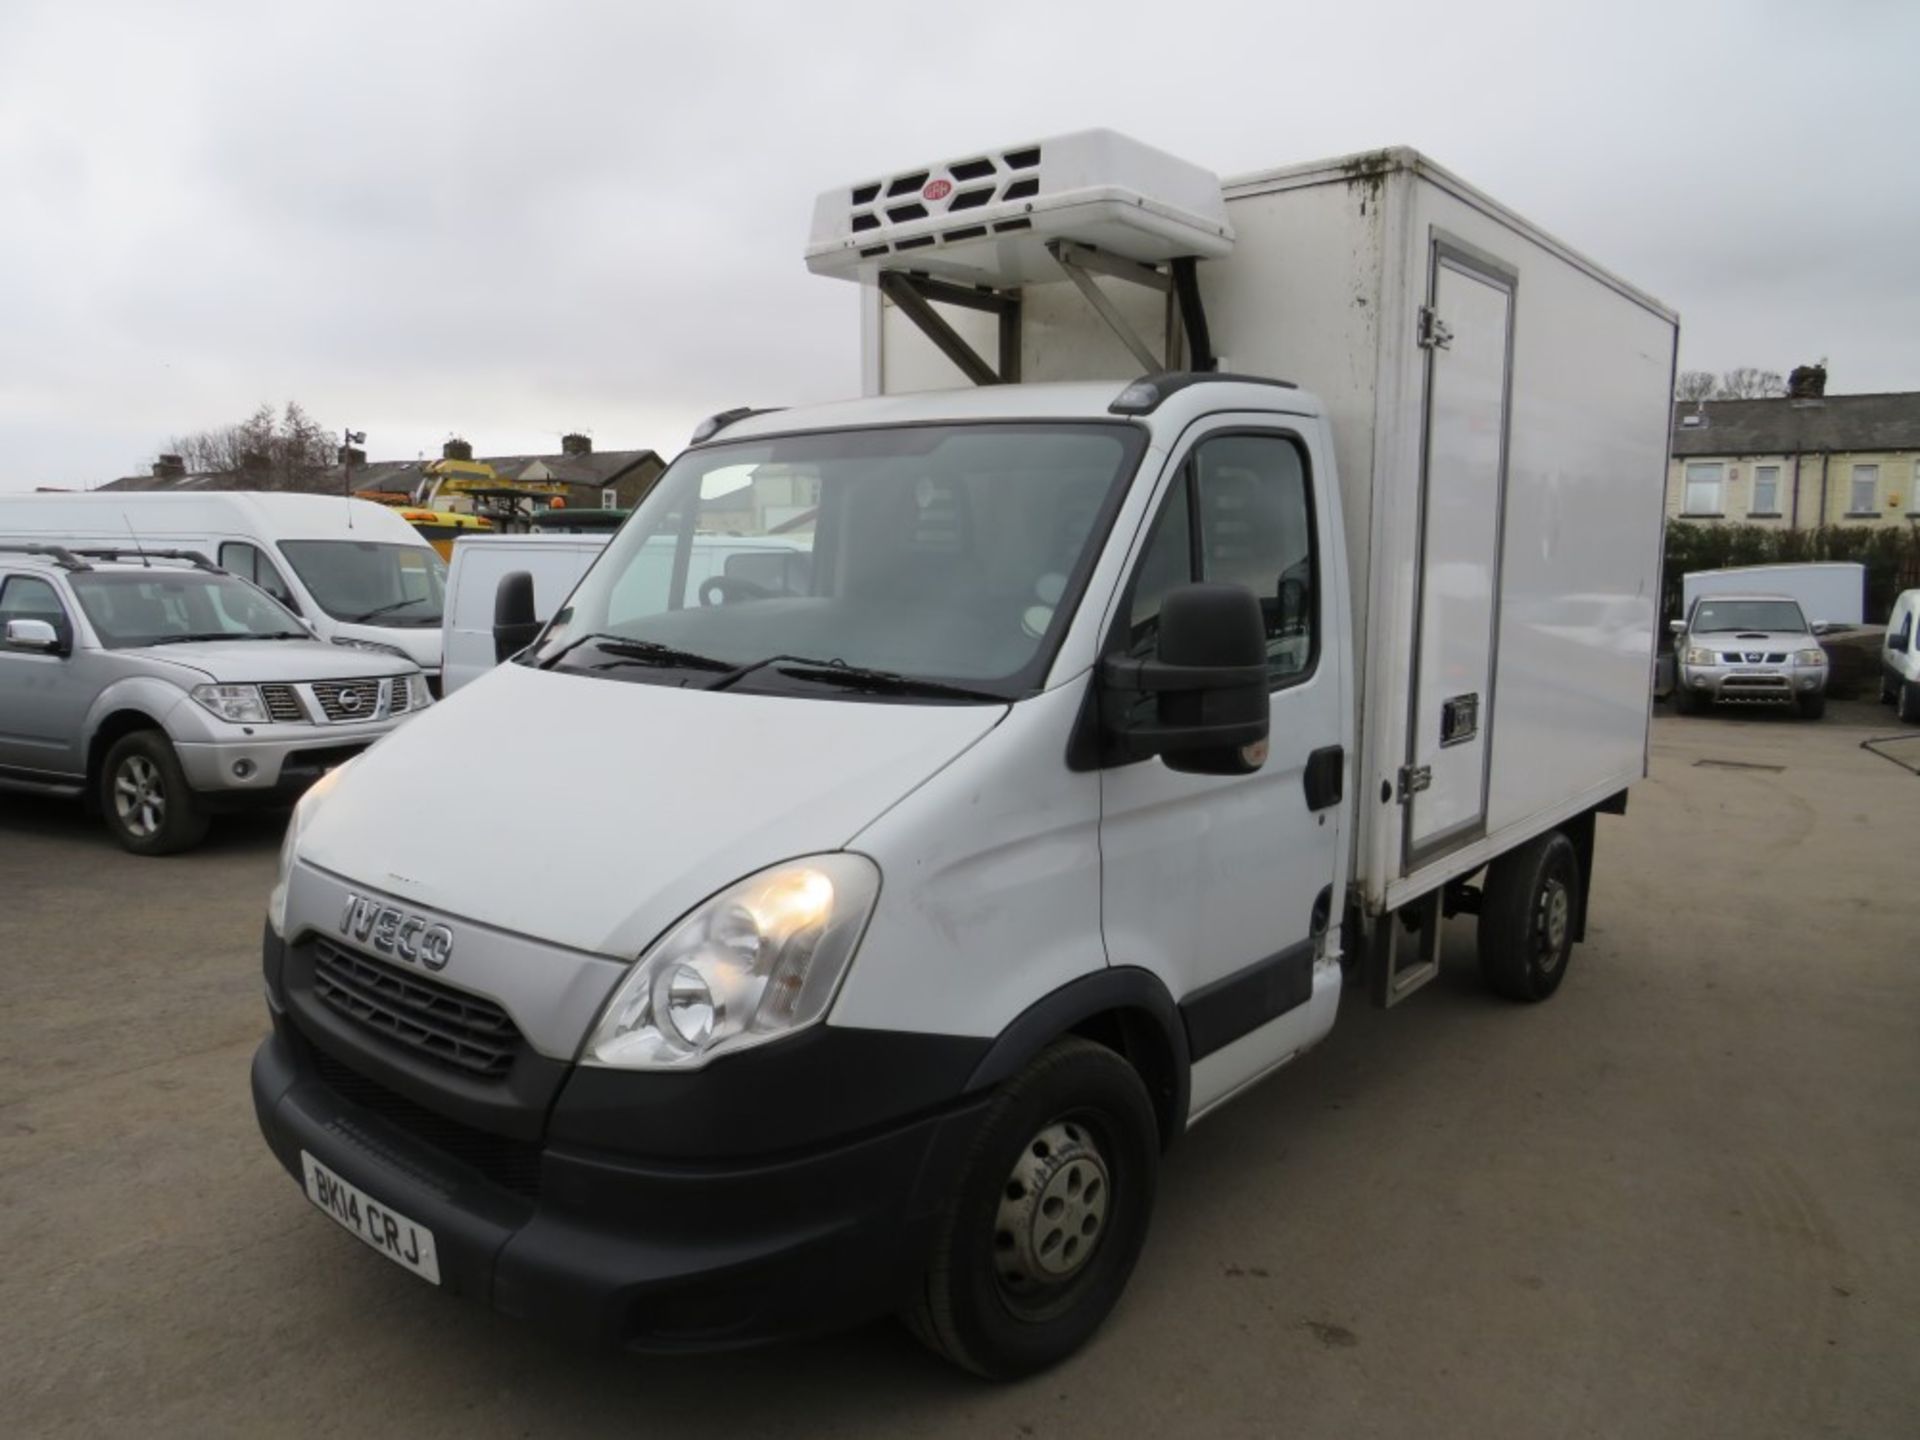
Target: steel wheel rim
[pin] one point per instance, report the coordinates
(1556, 922)
(139, 796)
(1055, 1209)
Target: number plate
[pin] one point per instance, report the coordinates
(395, 1236)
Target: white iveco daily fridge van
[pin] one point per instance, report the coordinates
(911, 902)
(354, 571)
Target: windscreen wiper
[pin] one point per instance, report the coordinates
(640, 652)
(386, 609)
(197, 638)
(854, 677)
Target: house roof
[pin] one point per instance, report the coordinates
(600, 467)
(1837, 423)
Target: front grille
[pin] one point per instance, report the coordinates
(1752, 657)
(402, 696)
(348, 699)
(450, 1027)
(511, 1164)
(283, 703)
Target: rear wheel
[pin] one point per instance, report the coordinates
(145, 797)
(1049, 1216)
(1909, 703)
(1528, 910)
(1812, 707)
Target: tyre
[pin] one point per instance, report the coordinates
(1889, 691)
(1687, 702)
(1908, 704)
(1048, 1217)
(145, 798)
(1811, 707)
(1528, 908)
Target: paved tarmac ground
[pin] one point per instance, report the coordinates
(1681, 1199)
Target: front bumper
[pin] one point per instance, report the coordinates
(1753, 684)
(582, 1238)
(271, 764)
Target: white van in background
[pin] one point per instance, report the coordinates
(480, 563)
(356, 572)
(718, 567)
(1832, 593)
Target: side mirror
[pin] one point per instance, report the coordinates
(1208, 679)
(1677, 627)
(514, 625)
(34, 635)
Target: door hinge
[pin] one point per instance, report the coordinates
(1414, 779)
(1435, 333)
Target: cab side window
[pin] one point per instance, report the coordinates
(28, 597)
(1900, 637)
(249, 563)
(1240, 513)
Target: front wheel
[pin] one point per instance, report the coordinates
(1812, 707)
(1685, 701)
(145, 797)
(1049, 1216)
(1907, 706)
(1528, 911)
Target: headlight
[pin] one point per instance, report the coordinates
(1809, 657)
(759, 960)
(302, 813)
(1697, 655)
(239, 703)
(378, 647)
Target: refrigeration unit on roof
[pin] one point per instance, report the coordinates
(989, 217)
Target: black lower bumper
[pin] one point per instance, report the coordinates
(663, 1256)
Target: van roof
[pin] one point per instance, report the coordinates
(1076, 400)
(285, 517)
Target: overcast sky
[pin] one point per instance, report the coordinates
(506, 220)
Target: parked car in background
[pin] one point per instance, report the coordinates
(1900, 658)
(163, 690)
(357, 573)
(1748, 650)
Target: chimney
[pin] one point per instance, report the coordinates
(351, 455)
(1808, 382)
(170, 467)
(576, 444)
(456, 449)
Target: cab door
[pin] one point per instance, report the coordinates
(43, 697)
(1223, 885)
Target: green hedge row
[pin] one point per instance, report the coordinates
(1890, 553)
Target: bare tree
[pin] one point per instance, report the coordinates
(1694, 385)
(1748, 383)
(264, 451)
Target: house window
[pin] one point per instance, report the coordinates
(1703, 487)
(609, 499)
(1766, 490)
(1865, 497)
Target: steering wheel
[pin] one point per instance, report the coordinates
(725, 589)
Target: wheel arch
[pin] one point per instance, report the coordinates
(110, 728)
(1124, 1008)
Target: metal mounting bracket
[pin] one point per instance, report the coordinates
(915, 293)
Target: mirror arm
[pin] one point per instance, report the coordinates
(1129, 676)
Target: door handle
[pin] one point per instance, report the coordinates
(1326, 777)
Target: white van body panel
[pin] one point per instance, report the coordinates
(203, 522)
(480, 562)
(673, 795)
(1829, 592)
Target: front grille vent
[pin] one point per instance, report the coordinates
(1752, 657)
(463, 1032)
(402, 691)
(283, 703)
(511, 1164)
(348, 699)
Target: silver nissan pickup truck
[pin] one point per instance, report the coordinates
(162, 690)
(1748, 650)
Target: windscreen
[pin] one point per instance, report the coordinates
(942, 552)
(1713, 616)
(159, 607)
(370, 582)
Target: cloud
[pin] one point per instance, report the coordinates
(510, 220)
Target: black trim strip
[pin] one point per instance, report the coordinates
(1216, 1015)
